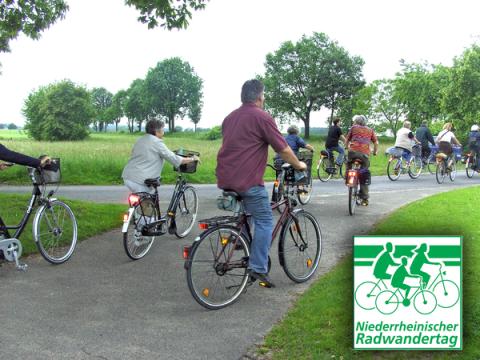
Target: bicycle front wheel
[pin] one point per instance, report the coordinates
(135, 244)
(304, 192)
(394, 169)
(217, 267)
(415, 167)
(300, 246)
(186, 211)
(55, 231)
(440, 172)
(322, 173)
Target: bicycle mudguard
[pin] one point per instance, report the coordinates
(127, 220)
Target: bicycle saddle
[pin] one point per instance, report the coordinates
(232, 193)
(153, 182)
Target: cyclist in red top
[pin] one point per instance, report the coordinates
(358, 144)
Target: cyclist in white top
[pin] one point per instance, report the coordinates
(405, 139)
(445, 138)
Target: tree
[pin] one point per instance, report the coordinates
(195, 113)
(60, 111)
(387, 108)
(117, 110)
(360, 103)
(32, 17)
(175, 16)
(12, 126)
(172, 88)
(136, 107)
(305, 76)
(102, 101)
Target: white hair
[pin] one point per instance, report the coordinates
(360, 120)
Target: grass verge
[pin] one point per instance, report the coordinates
(92, 218)
(319, 326)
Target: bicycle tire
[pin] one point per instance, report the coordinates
(55, 231)
(135, 244)
(322, 173)
(440, 172)
(203, 254)
(304, 192)
(423, 305)
(341, 170)
(453, 171)
(186, 209)
(431, 162)
(394, 171)
(442, 294)
(416, 164)
(468, 167)
(307, 248)
(383, 302)
(364, 294)
(352, 199)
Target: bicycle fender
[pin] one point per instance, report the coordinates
(126, 222)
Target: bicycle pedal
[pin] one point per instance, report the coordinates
(22, 267)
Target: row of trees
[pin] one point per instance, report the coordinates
(64, 110)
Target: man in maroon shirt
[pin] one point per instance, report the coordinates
(241, 163)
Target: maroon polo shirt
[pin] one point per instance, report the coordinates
(241, 161)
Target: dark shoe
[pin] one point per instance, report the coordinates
(364, 202)
(263, 279)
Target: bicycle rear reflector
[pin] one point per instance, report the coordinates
(186, 252)
(203, 226)
(133, 200)
(309, 263)
(224, 241)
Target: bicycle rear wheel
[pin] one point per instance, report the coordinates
(452, 173)
(304, 192)
(394, 169)
(440, 172)
(135, 244)
(300, 246)
(415, 167)
(431, 164)
(468, 167)
(186, 211)
(352, 199)
(55, 231)
(322, 173)
(217, 267)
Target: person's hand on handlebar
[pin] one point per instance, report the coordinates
(302, 166)
(45, 160)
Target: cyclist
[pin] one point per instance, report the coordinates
(425, 137)
(21, 159)
(148, 156)
(241, 161)
(474, 144)
(384, 260)
(419, 259)
(295, 141)
(445, 138)
(358, 144)
(331, 144)
(405, 139)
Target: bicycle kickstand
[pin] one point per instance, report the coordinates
(20, 266)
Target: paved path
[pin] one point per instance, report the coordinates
(101, 305)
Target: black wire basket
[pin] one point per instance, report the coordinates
(189, 168)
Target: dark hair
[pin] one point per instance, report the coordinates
(336, 121)
(251, 90)
(424, 122)
(293, 130)
(153, 126)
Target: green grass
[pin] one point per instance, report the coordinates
(99, 160)
(319, 326)
(92, 219)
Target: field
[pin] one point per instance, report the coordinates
(100, 159)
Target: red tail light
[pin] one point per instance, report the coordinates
(186, 252)
(133, 199)
(203, 226)
(351, 175)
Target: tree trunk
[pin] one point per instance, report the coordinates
(195, 127)
(171, 123)
(331, 117)
(306, 121)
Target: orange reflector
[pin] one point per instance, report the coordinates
(125, 217)
(170, 213)
(275, 183)
(186, 252)
(224, 241)
(133, 199)
(309, 263)
(206, 292)
(203, 226)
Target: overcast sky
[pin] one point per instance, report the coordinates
(101, 44)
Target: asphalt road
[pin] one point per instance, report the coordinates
(101, 305)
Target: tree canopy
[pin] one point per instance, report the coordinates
(305, 76)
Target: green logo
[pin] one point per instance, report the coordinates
(407, 293)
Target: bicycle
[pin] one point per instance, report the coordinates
(144, 220)
(54, 225)
(398, 165)
(327, 166)
(424, 301)
(304, 189)
(353, 180)
(445, 165)
(216, 263)
(366, 293)
(471, 164)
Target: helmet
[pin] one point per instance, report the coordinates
(474, 128)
